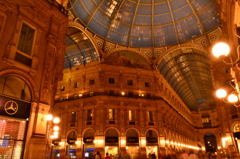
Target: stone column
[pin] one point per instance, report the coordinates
(38, 144)
(79, 143)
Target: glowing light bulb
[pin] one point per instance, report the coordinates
(56, 128)
(49, 117)
(232, 98)
(56, 120)
(221, 93)
(220, 49)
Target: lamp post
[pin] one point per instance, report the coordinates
(53, 130)
(221, 50)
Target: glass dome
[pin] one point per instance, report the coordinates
(147, 23)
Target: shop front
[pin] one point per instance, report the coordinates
(88, 144)
(111, 142)
(132, 145)
(15, 109)
(152, 144)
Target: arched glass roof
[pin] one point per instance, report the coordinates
(79, 50)
(188, 72)
(147, 23)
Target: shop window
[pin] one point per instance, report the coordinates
(62, 88)
(111, 81)
(147, 84)
(76, 85)
(89, 114)
(111, 114)
(73, 117)
(129, 82)
(91, 82)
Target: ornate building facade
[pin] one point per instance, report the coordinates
(134, 76)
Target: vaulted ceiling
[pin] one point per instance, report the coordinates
(151, 24)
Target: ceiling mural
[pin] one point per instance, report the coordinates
(128, 59)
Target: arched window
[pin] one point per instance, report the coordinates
(14, 87)
(206, 120)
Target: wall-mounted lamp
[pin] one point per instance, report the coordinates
(221, 50)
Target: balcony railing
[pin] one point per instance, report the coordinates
(91, 94)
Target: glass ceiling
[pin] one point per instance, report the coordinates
(79, 50)
(189, 75)
(147, 23)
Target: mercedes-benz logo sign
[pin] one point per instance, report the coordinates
(11, 107)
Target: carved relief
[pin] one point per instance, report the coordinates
(48, 74)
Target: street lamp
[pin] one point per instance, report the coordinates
(220, 50)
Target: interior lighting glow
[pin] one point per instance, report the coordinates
(56, 128)
(56, 120)
(220, 49)
(123, 93)
(55, 133)
(232, 98)
(221, 93)
(49, 117)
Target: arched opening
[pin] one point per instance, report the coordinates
(71, 147)
(88, 146)
(210, 142)
(132, 143)
(152, 143)
(111, 142)
(206, 120)
(15, 109)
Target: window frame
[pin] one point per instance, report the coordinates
(131, 82)
(147, 84)
(112, 114)
(110, 79)
(33, 42)
(91, 81)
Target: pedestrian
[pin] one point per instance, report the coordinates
(98, 156)
(107, 157)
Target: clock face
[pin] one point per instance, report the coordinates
(11, 107)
